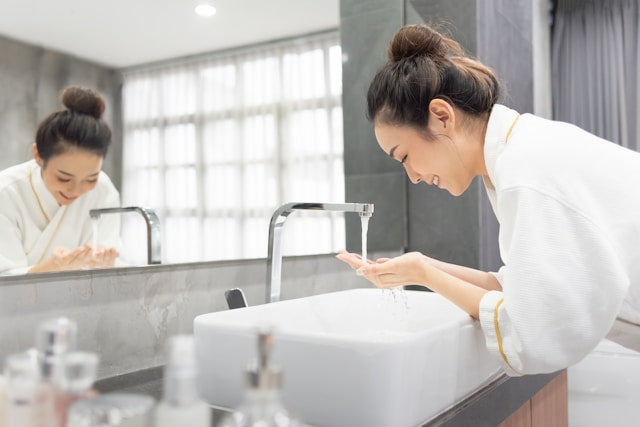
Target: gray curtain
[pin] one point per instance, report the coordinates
(595, 75)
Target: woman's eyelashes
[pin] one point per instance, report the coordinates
(403, 159)
(65, 180)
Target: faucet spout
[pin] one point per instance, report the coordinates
(274, 255)
(153, 228)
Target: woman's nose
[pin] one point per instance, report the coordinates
(413, 176)
(72, 189)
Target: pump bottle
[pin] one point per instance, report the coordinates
(55, 338)
(262, 405)
(180, 405)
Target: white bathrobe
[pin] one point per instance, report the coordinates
(568, 204)
(26, 238)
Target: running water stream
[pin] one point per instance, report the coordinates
(364, 220)
(94, 240)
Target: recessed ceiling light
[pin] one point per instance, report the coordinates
(205, 9)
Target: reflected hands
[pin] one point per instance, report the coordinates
(104, 257)
(65, 259)
(84, 257)
(408, 269)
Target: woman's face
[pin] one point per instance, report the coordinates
(437, 162)
(69, 175)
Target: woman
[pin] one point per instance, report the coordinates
(45, 202)
(567, 203)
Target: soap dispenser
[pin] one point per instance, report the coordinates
(262, 405)
(180, 403)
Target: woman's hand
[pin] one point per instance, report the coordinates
(80, 258)
(353, 259)
(84, 257)
(104, 257)
(464, 286)
(71, 259)
(407, 269)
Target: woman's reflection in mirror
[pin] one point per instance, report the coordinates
(45, 202)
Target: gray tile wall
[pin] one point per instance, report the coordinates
(30, 81)
(366, 27)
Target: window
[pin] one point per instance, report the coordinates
(216, 144)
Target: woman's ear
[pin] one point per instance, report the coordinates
(442, 116)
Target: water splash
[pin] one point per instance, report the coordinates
(397, 296)
(395, 303)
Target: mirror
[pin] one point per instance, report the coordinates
(189, 166)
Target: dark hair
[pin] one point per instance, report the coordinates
(80, 125)
(423, 65)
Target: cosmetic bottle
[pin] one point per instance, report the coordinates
(79, 373)
(54, 339)
(262, 404)
(21, 372)
(180, 403)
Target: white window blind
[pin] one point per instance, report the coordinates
(216, 144)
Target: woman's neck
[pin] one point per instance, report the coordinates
(476, 133)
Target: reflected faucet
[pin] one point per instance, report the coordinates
(153, 228)
(274, 256)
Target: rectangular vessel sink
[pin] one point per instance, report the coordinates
(352, 358)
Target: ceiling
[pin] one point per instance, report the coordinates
(124, 33)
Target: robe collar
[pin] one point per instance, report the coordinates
(49, 203)
(500, 122)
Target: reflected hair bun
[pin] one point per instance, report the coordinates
(84, 101)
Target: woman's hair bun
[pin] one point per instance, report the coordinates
(84, 101)
(418, 40)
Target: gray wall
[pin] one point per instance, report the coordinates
(509, 36)
(31, 79)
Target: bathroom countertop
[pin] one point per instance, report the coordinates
(487, 406)
(492, 403)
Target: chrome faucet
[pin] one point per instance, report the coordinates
(274, 256)
(153, 228)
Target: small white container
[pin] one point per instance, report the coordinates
(116, 409)
(22, 380)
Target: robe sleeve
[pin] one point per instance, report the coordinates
(13, 259)
(562, 285)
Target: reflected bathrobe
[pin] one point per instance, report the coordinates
(568, 205)
(26, 237)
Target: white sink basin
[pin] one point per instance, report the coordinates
(352, 358)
